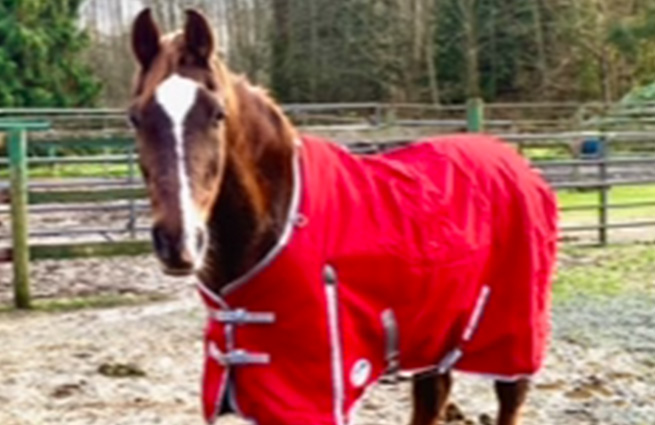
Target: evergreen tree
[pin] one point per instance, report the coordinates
(40, 59)
(634, 39)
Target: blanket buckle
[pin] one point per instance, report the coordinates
(238, 357)
(242, 316)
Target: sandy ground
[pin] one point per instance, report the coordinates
(139, 365)
(61, 368)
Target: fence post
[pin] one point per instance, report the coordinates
(52, 153)
(377, 115)
(19, 224)
(131, 179)
(603, 194)
(475, 115)
(18, 175)
(390, 115)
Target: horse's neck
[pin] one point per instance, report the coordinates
(256, 191)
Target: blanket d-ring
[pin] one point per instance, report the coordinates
(434, 256)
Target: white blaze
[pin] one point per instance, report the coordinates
(176, 95)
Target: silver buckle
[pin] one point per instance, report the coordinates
(241, 316)
(238, 357)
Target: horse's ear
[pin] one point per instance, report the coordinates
(198, 37)
(145, 38)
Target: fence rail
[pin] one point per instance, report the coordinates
(516, 116)
(622, 161)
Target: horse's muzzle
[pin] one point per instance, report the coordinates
(177, 255)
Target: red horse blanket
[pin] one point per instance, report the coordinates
(433, 256)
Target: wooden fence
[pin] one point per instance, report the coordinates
(608, 167)
(505, 117)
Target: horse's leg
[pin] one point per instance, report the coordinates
(511, 397)
(430, 393)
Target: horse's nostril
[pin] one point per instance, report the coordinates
(160, 244)
(174, 251)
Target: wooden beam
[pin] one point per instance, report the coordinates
(24, 125)
(77, 196)
(88, 250)
(19, 221)
(81, 250)
(118, 142)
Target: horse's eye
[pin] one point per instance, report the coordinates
(219, 115)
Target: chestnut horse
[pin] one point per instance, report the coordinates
(217, 155)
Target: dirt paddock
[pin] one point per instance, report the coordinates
(141, 364)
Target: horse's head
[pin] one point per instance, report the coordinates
(178, 111)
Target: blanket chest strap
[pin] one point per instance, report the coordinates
(242, 316)
(238, 357)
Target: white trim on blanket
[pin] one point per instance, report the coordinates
(500, 378)
(480, 304)
(291, 222)
(453, 356)
(285, 237)
(431, 370)
(263, 263)
(213, 296)
(335, 353)
(211, 351)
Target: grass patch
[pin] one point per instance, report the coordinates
(617, 195)
(76, 170)
(90, 302)
(544, 153)
(605, 272)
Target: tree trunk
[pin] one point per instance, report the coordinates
(431, 50)
(605, 60)
(542, 65)
(281, 46)
(493, 34)
(469, 23)
(314, 50)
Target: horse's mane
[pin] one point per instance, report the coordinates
(258, 132)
